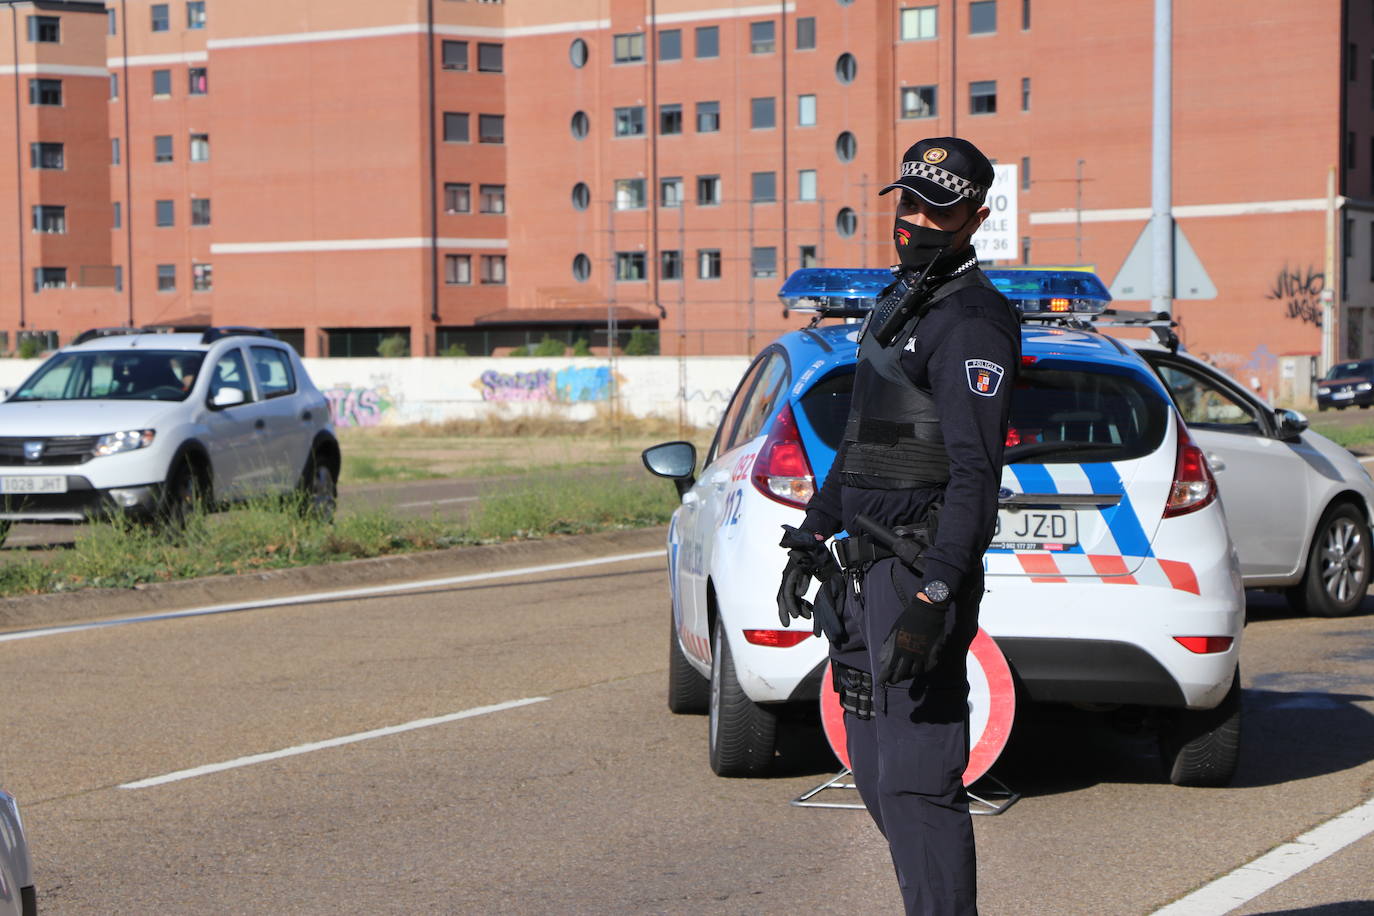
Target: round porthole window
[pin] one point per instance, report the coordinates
(846, 222)
(582, 268)
(846, 68)
(846, 146)
(577, 53)
(580, 124)
(581, 196)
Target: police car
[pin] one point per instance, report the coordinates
(1111, 580)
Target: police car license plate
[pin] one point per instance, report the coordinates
(1342, 395)
(1036, 529)
(53, 484)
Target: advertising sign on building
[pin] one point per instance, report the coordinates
(996, 240)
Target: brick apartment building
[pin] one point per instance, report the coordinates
(484, 173)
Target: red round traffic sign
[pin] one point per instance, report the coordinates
(991, 701)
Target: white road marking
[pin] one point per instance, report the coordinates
(1369, 458)
(438, 502)
(328, 596)
(1276, 866)
(321, 745)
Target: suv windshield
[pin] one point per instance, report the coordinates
(139, 375)
(1081, 414)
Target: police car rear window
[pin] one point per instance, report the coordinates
(1061, 416)
(826, 405)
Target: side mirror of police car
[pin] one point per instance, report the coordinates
(227, 397)
(674, 460)
(1290, 423)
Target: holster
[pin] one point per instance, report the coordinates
(855, 689)
(860, 551)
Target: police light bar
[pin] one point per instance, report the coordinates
(1041, 293)
(834, 292)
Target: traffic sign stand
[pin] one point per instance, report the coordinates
(992, 707)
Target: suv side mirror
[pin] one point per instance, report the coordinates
(227, 397)
(1290, 423)
(674, 460)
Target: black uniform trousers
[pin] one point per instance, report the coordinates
(908, 760)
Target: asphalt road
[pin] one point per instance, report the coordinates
(590, 797)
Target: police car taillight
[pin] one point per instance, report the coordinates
(781, 471)
(1194, 486)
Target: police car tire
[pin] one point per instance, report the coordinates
(688, 692)
(1310, 595)
(1201, 747)
(4, 531)
(741, 734)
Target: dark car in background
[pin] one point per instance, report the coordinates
(1346, 385)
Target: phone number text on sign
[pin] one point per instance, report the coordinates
(996, 240)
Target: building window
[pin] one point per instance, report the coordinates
(1025, 249)
(493, 198)
(1025, 93)
(846, 68)
(457, 198)
(670, 265)
(846, 222)
(493, 268)
(166, 278)
(165, 212)
(763, 261)
(491, 128)
(806, 256)
(581, 196)
(1025, 173)
(629, 122)
(708, 117)
(806, 111)
(47, 155)
(580, 125)
(112, 22)
(806, 33)
(490, 58)
(982, 17)
(195, 15)
(982, 97)
(162, 83)
(708, 41)
(846, 146)
(457, 269)
(670, 44)
(455, 55)
(629, 49)
(49, 278)
(117, 215)
(708, 263)
(763, 37)
(114, 86)
(1353, 65)
(200, 147)
(708, 190)
(1025, 15)
(50, 219)
(45, 92)
(629, 194)
(763, 187)
(119, 278)
(162, 20)
(670, 192)
(200, 211)
(670, 119)
(918, 101)
(918, 23)
(581, 268)
(806, 184)
(577, 53)
(202, 278)
(199, 81)
(162, 148)
(456, 127)
(1350, 150)
(762, 113)
(45, 29)
(114, 151)
(629, 266)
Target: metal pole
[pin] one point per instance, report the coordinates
(1161, 197)
(1328, 293)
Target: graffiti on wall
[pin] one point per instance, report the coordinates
(1300, 292)
(715, 400)
(572, 385)
(358, 407)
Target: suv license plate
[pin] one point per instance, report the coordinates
(54, 484)
(1036, 529)
(1342, 395)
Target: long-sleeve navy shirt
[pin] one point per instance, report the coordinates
(965, 352)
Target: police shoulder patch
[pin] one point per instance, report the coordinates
(984, 376)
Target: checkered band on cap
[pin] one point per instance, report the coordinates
(945, 179)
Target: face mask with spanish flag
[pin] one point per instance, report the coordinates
(916, 245)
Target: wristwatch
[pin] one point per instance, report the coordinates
(937, 591)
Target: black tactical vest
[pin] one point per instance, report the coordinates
(893, 439)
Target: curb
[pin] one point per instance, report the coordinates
(96, 604)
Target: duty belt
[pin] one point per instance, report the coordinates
(861, 550)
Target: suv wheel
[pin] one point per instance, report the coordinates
(688, 691)
(741, 734)
(319, 491)
(1201, 747)
(1338, 566)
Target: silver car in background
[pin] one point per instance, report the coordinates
(1297, 504)
(16, 870)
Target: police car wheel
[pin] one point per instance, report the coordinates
(1201, 747)
(4, 531)
(741, 734)
(1338, 566)
(688, 691)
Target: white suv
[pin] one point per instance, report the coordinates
(125, 420)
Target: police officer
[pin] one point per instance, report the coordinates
(920, 462)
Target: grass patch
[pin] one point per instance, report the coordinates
(1346, 435)
(363, 468)
(272, 535)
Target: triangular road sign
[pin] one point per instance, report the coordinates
(1133, 281)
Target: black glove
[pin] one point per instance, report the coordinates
(913, 646)
(807, 556)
